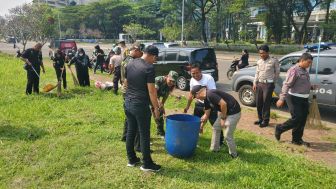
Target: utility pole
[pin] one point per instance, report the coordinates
(182, 21)
(59, 26)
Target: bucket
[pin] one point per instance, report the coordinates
(182, 131)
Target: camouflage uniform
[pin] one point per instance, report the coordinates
(163, 91)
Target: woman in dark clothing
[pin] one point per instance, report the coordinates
(82, 64)
(244, 59)
(59, 60)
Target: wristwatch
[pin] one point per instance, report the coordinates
(223, 117)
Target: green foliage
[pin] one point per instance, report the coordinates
(74, 142)
(137, 30)
(171, 33)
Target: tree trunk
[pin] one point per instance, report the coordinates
(218, 21)
(203, 19)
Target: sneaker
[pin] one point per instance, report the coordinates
(277, 133)
(133, 163)
(151, 167)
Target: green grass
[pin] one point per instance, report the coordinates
(74, 142)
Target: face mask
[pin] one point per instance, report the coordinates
(80, 54)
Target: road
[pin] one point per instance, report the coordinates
(224, 60)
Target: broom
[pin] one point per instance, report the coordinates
(314, 117)
(59, 83)
(48, 87)
(76, 83)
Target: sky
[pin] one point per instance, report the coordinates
(5, 5)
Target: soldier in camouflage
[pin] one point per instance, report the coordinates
(164, 86)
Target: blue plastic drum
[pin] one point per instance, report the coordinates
(182, 131)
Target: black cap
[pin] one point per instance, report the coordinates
(196, 89)
(152, 50)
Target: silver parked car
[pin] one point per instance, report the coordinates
(242, 80)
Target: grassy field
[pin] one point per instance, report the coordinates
(74, 142)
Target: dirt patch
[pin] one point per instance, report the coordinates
(320, 150)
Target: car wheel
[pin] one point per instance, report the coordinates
(247, 96)
(182, 83)
(229, 74)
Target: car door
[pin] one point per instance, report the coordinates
(325, 79)
(170, 62)
(159, 65)
(285, 64)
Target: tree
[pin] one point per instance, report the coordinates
(274, 19)
(302, 8)
(204, 7)
(171, 33)
(19, 24)
(136, 30)
(2, 27)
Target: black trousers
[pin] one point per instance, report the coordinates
(124, 135)
(138, 118)
(116, 78)
(99, 64)
(199, 112)
(83, 76)
(33, 81)
(298, 108)
(58, 75)
(263, 100)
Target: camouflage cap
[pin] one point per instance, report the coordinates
(173, 75)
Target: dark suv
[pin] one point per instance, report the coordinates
(181, 59)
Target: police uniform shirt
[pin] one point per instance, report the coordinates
(297, 83)
(267, 70)
(213, 98)
(34, 57)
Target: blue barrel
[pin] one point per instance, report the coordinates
(182, 131)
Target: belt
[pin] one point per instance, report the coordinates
(265, 81)
(299, 95)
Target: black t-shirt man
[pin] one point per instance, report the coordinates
(138, 74)
(214, 96)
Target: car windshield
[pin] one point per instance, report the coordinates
(206, 58)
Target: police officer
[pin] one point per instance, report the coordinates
(267, 73)
(164, 86)
(33, 59)
(82, 64)
(115, 63)
(295, 91)
(98, 54)
(59, 60)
